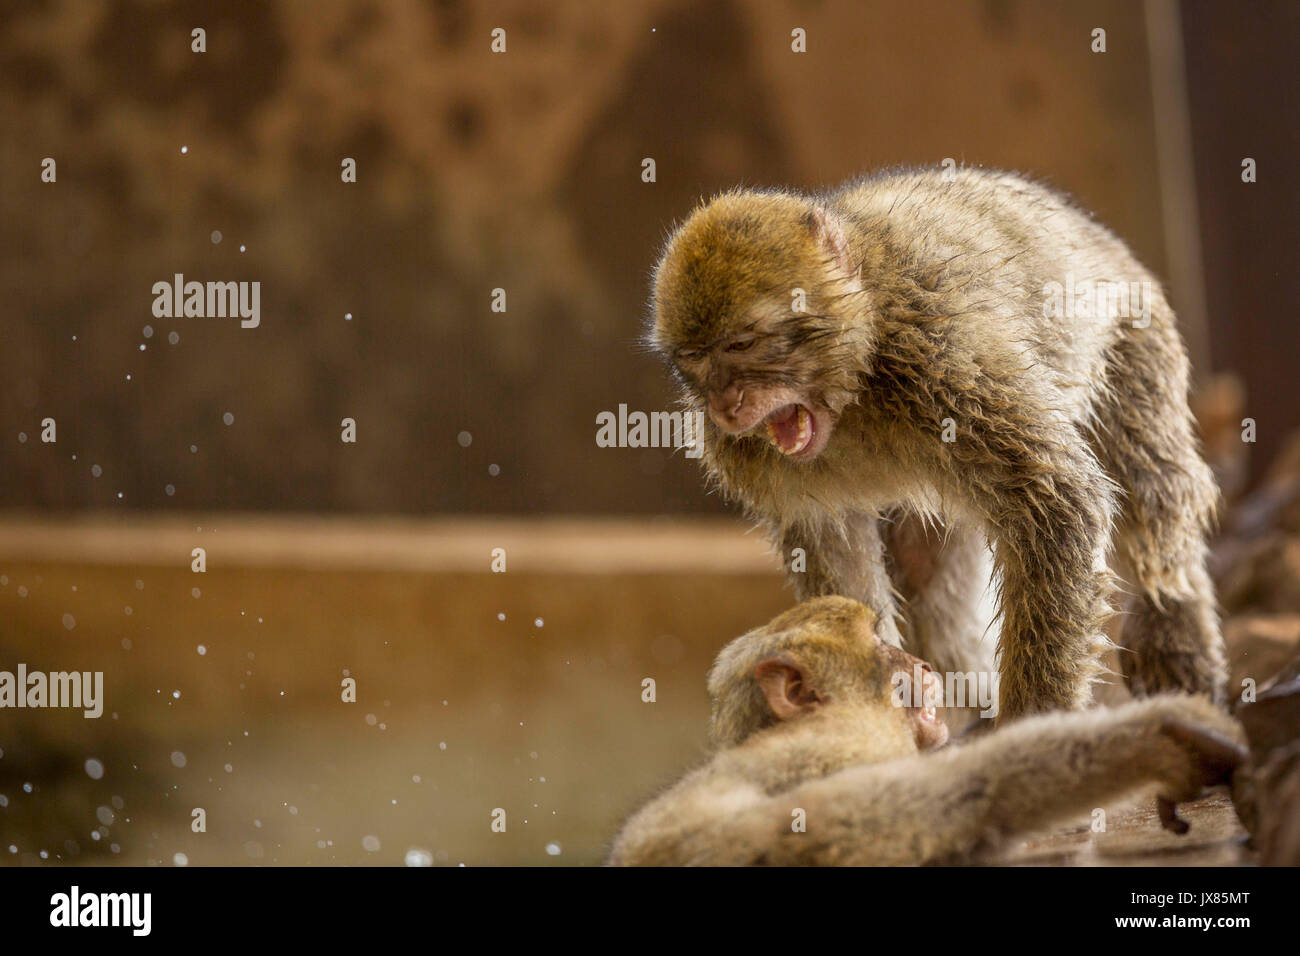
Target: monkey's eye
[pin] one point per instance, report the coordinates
(739, 345)
(691, 355)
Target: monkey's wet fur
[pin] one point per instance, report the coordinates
(950, 352)
(815, 762)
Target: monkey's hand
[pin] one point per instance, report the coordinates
(1211, 745)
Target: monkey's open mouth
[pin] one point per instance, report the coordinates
(796, 431)
(790, 428)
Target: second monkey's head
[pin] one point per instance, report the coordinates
(824, 656)
(758, 308)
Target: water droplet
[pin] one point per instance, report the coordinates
(228, 418)
(370, 844)
(464, 438)
(94, 769)
(178, 759)
(417, 857)
(69, 621)
(216, 236)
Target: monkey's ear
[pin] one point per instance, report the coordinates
(829, 234)
(788, 691)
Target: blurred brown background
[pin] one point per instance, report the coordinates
(521, 171)
(479, 171)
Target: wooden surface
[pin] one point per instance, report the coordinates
(552, 545)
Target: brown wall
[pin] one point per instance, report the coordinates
(1241, 62)
(475, 172)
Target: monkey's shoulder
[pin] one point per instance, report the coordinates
(901, 186)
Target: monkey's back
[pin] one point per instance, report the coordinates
(992, 250)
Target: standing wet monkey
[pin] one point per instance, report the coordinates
(969, 351)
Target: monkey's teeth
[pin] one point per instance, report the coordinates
(928, 713)
(800, 440)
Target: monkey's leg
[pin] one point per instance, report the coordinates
(1171, 633)
(1170, 638)
(945, 579)
(948, 615)
(846, 558)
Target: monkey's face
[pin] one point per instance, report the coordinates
(925, 693)
(827, 652)
(762, 381)
(758, 313)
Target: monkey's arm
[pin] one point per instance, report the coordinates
(946, 806)
(845, 558)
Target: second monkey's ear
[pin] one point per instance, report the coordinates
(788, 691)
(829, 234)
